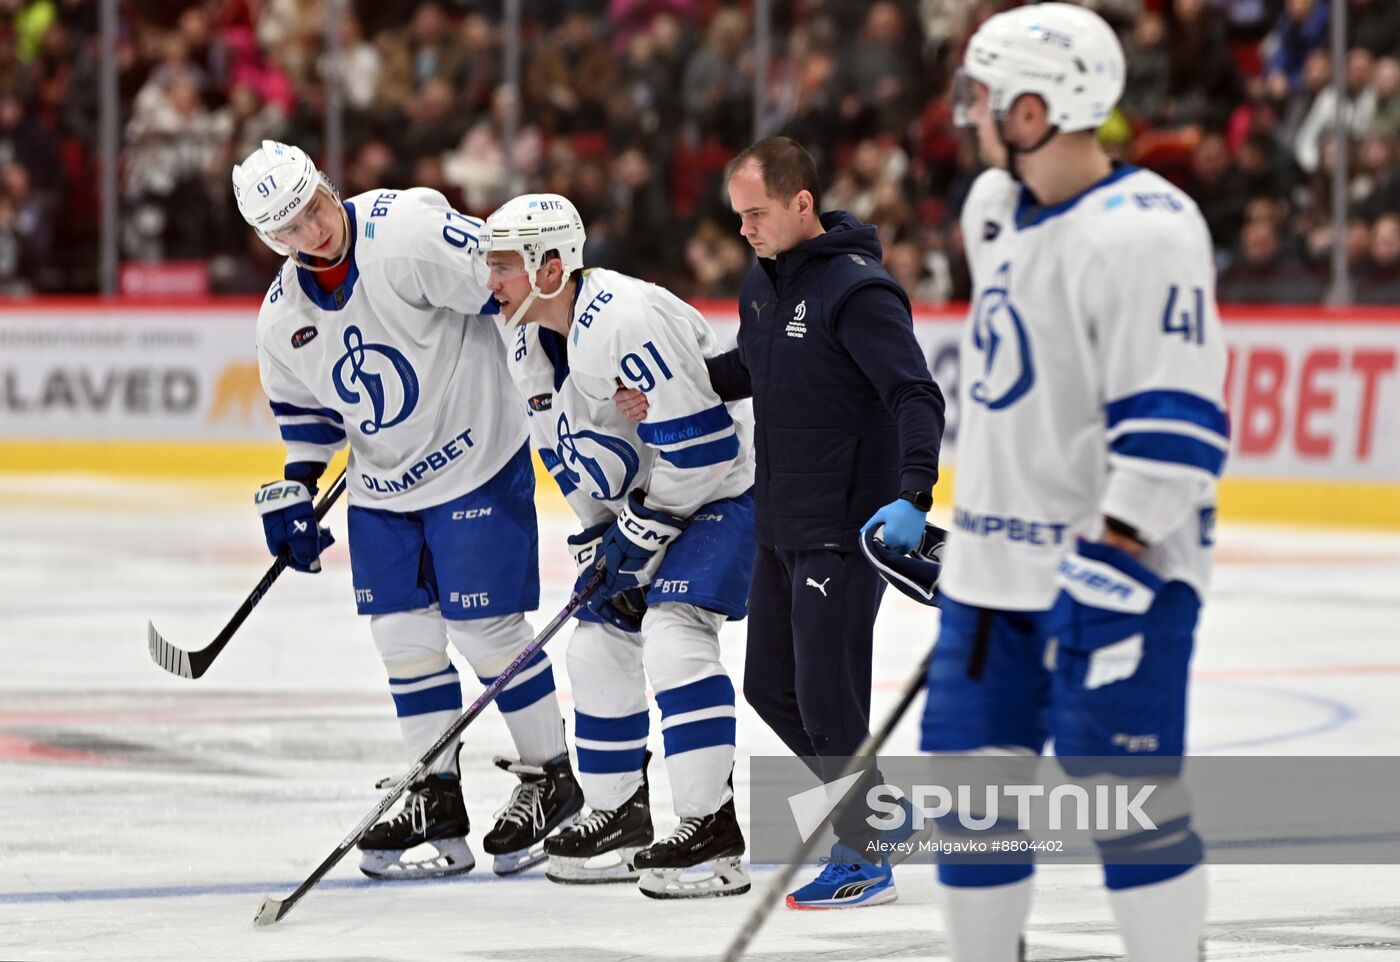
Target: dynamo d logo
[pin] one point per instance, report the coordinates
(369, 375)
(610, 462)
(1008, 371)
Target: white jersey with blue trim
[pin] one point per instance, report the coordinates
(398, 361)
(692, 448)
(1092, 372)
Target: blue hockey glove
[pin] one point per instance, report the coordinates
(913, 572)
(1101, 611)
(289, 522)
(626, 610)
(632, 548)
(903, 525)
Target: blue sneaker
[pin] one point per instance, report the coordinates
(846, 881)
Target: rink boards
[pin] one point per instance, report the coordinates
(171, 389)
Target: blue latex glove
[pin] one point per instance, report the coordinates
(289, 523)
(631, 550)
(904, 525)
(623, 611)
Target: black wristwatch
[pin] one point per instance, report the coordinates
(923, 500)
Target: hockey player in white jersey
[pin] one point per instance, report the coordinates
(667, 512)
(1091, 436)
(372, 335)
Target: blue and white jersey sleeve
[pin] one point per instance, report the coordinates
(1162, 356)
(311, 432)
(438, 253)
(660, 350)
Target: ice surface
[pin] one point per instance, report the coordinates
(144, 816)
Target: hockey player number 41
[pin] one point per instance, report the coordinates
(1189, 322)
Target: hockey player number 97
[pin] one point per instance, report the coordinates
(639, 373)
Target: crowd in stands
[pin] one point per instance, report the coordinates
(632, 108)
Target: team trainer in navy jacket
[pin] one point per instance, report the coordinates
(847, 428)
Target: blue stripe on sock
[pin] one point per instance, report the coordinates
(1119, 877)
(594, 761)
(438, 698)
(526, 693)
(705, 693)
(627, 728)
(698, 734)
(539, 657)
(449, 670)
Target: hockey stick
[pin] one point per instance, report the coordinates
(778, 886)
(192, 664)
(273, 909)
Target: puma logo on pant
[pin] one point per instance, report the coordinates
(812, 583)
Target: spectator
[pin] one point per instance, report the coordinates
(1374, 25)
(906, 264)
(1149, 71)
(1301, 29)
(664, 87)
(718, 81)
(1203, 80)
(1358, 106)
(1218, 189)
(1385, 83)
(568, 78)
(877, 77)
(1263, 274)
(1265, 170)
(717, 260)
(1379, 281)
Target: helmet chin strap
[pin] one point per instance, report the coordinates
(1013, 152)
(517, 317)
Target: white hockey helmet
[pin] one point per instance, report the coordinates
(273, 185)
(1066, 55)
(534, 225)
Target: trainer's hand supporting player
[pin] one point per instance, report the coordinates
(632, 403)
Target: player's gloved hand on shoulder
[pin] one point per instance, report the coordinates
(626, 609)
(289, 522)
(904, 525)
(1100, 616)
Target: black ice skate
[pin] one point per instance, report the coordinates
(600, 847)
(546, 798)
(434, 814)
(700, 859)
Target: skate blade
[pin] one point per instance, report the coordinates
(614, 866)
(712, 879)
(454, 858)
(513, 863)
